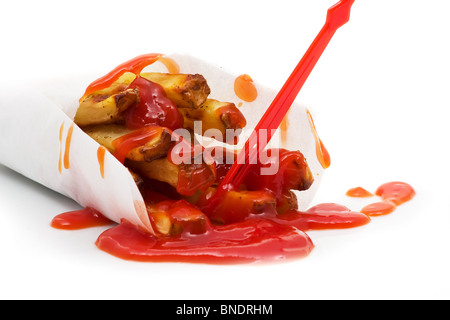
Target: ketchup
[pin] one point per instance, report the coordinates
(124, 144)
(192, 237)
(379, 208)
(135, 65)
(264, 237)
(393, 194)
(321, 152)
(396, 192)
(80, 219)
(153, 108)
(245, 89)
(248, 241)
(359, 192)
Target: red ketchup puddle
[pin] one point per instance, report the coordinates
(251, 240)
(262, 237)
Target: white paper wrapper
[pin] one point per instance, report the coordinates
(35, 125)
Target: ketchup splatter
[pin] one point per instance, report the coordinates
(393, 194)
(396, 192)
(245, 89)
(359, 192)
(379, 208)
(80, 219)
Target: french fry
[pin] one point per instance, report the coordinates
(172, 218)
(287, 201)
(156, 148)
(186, 90)
(159, 169)
(238, 205)
(105, 106)
(293, 173)
(215, 115)
(186, 178)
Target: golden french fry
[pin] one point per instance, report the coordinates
(159, 169)
(160, 220)
(238, 205)
(172, 218)
(156, 148)
(105, 107)
(186, 178)
(287, 202)
(216, 115)
(185, 90)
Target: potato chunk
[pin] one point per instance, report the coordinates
(217, 115)
(186, 178)
(156, 148)
(186, 90)
(104, 108)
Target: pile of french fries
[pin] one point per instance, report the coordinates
(99, 115)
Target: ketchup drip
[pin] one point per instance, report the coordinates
(245, 89)
(134, 65)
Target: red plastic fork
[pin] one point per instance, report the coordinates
(337, 16)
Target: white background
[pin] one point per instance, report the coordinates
(380, 99)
